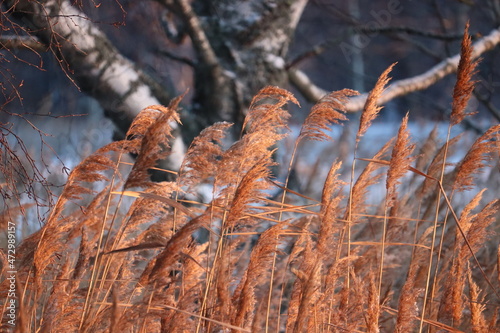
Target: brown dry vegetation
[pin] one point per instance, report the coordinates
(140, 256)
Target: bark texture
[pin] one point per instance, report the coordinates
(240, 48)
(90, 60)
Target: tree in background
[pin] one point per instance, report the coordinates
(234, 48)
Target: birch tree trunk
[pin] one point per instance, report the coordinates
(240, 47)
(90, 60)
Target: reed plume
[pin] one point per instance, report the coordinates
(121, 253)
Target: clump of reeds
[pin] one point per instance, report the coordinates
(140, 256)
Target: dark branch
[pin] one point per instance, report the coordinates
(175, 57)
(495, 112)
(409, 31)
(322, 47)
(197, 34)
(401, 87)
(15, 42)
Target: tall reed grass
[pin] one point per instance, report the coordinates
(143, 256)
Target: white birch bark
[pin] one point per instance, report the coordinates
(93, 63)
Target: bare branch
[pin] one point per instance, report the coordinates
(488, 104)
(410, 31)
(22, 42)
(197, 34)
(401, 87)
(323, 46)
(419, 46)
(176, 57)
(301, 81)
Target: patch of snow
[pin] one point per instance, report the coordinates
(177, 153)
(140, 98)
(275, 61)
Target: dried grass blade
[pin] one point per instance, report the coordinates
(168, 307)
(409, 168)
(368, 243)
(170, 202)
(293, 192)
(427, 321)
